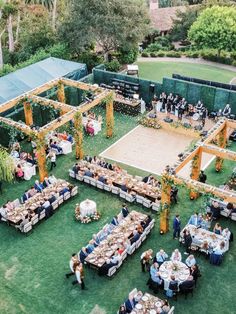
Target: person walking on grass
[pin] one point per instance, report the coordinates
(53, 159)
(79, 273)
(176, 227)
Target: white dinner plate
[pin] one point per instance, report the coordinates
(144, 298)
(153, 312)
(138, 306)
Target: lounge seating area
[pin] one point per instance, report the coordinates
(37, 204)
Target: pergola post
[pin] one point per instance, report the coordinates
(195, 172)
(165, 203)
(28, 113)
(78, 135)
(222, 140)
(40, 148)
(61, 94)
(109, 115)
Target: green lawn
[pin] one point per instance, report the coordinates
(154, 70)
(32, 268)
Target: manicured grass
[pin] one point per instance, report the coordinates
(154, 70)
(32, 268)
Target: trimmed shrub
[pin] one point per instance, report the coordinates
(113, 66)
(127, 56)
(161, 54)
(173, 54)
(153, 54)
(145, 54)
(192, 54)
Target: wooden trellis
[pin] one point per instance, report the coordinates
(67, 113)
(219, 134)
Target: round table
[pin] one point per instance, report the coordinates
(88, 208)
(178, 269)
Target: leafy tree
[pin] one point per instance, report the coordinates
(108, 23)
(6, 166)
(183, 22)
(215, 28)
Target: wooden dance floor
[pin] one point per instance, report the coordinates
(151, 150)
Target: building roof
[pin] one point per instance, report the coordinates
(37, 74)
(162, 18)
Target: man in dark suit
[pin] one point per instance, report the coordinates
(125, 211)
(187, 284)
(135, 236)
(129, 305)
(176, 227)
(115, 221)
(52, 198)
(25, 196)
(88, 173)
(75, 168)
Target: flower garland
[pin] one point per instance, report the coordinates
(150, 123)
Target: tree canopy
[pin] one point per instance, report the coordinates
(215, 28)
(107, 24)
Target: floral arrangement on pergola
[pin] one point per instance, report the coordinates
(67, 113)
(218, 134)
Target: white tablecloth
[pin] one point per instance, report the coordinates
(88, 208)
(29, 171)
(166, 270)
(200, 235)
(66, 147)
(96, 125)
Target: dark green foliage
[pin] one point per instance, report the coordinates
(112, 66)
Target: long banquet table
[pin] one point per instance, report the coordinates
(115, 239)
(118, 179)
(200, 235)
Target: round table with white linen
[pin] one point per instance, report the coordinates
(66, 147)
(96, 125)
(178, 269)
(88, 208)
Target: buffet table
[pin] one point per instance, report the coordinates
(178, 269)
(200, 235)
(88, 208)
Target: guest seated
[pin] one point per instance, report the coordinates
(139, 228)
(190, 261)
(124, 210)
(76, 168)
(55, 146)
(89, 128)
(10, 206)
(226, 234)
(215, 209)
(165, 307)
(217, 229)
(129, 305)
(88, 173)
(161, 257)
(146, 222)
(176, 256)
(3, 213)
(205, 248)
(122, 310)
(25, 196)
(134, 237)
(194, 220)
(15, 154)
(173, 287)
(115, 259)
(64, 190)
(155, 281)
(195, 272)
(103, 270)
(187, 284)
(115, 221)
(19, 172)
(82, 255)
(38, 186)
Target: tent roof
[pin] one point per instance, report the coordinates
(37, 74)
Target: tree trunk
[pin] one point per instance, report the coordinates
(10, 34)
(106, 56)
(17, 27)
(54, 15)
(1, 53)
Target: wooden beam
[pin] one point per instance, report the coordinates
(228, 196)
(79, 85)
(55, 124)
(43, 88)
(213, 132)
(187, 159)
(219, 152)
(49, 102)
(231, 124)
(19, 126)
(10, 104)
(89, 105)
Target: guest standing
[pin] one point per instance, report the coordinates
(176, 227)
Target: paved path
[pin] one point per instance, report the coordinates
(190, 60)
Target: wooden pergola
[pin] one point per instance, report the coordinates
(67, 113)
(219, 135)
